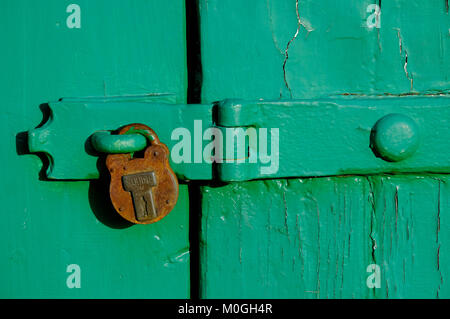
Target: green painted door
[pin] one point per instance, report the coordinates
(358, 236)
(367, 236)
(62, 239)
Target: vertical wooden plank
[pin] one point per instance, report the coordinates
(121, 48)
(310, 49)
(409, 227)
(286, 239)
(316, 238)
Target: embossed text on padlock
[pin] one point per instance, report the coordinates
(140, 186)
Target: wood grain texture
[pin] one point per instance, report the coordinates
(286, 239)
(307, 48)
(315, 238)
(411, 234)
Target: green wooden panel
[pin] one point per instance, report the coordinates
(286, 239)
(315, 238)
(122, 48)
(60, 142)
(411, 235)
(334, 52)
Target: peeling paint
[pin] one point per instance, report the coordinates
(405, 65)
(372, 217)
(300, 23)
(179, 257)
(437, 238)
(286, 52)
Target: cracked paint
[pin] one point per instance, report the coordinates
(437, 238)
(372, 218)
(286, 52)
(305, 24)
(405, 65)
(393, 222)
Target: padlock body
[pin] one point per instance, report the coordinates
(143, 190)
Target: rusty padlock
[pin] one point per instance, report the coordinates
(143, 190)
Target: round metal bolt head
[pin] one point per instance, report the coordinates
(395, 137)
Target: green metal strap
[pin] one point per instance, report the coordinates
(257, 139)
(341, 136)
(66, 138)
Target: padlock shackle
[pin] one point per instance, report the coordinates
(105, 142)
(141, 129)
(130, 138)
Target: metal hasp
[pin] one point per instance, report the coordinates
(260, 139)
(68, 139)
